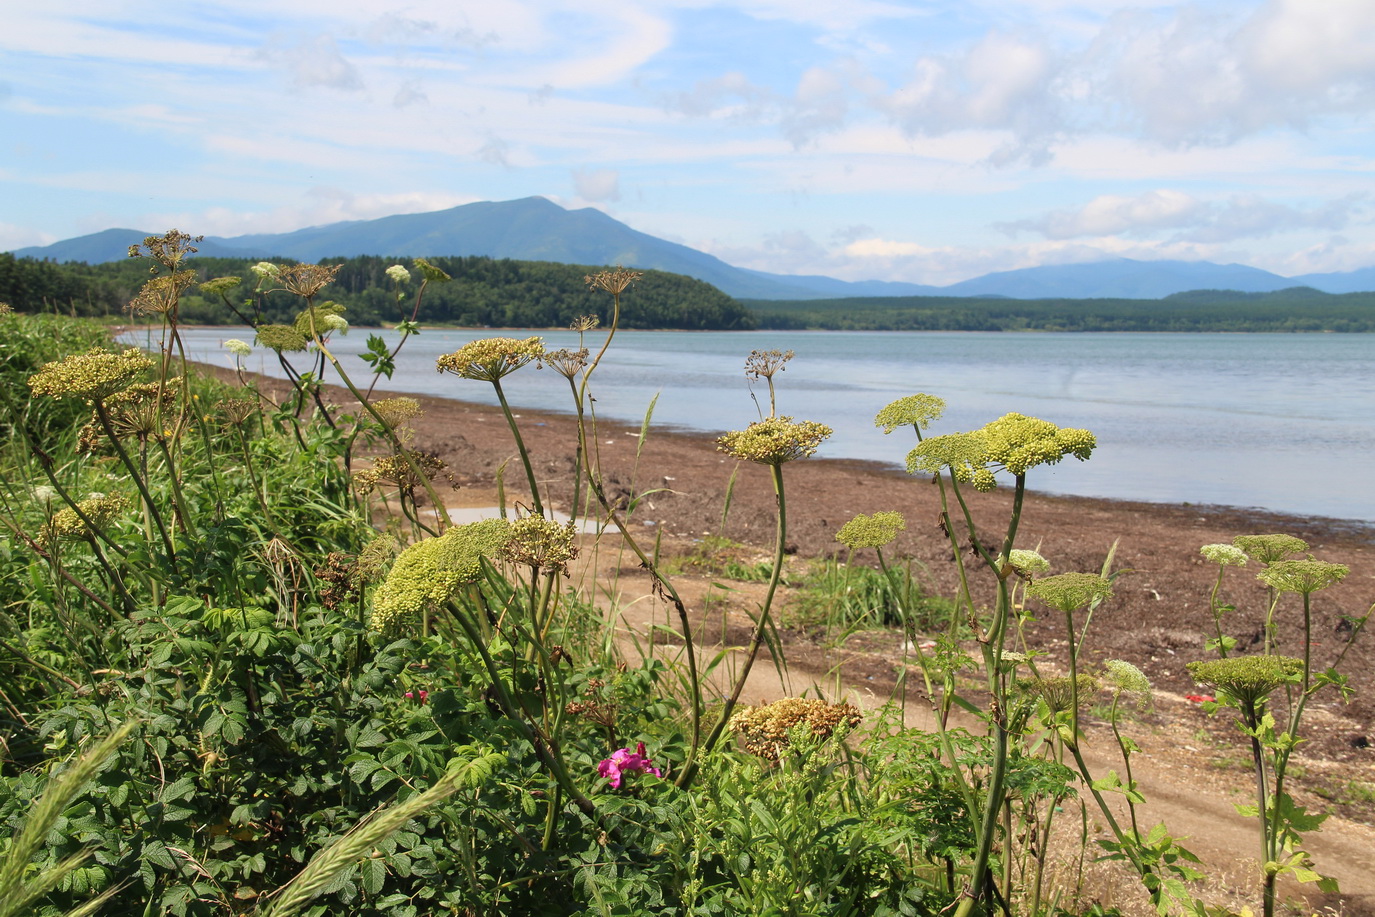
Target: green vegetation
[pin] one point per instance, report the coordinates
(242, 673)
(485, 293)
(1298, 309)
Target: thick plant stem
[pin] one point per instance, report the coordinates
(761, 626)
(520, 445)
(133, 470)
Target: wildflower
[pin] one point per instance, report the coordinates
(763, 364)
(1058, 693)
(1302, 576)
(615, 281)
(398, 410)
(161, 295)
(1266, 549)
(281, 338)
(1224, 555)
(1014, 443)
(422, 696)
(99, 508)
(237, 410)
(871, 531)
(624, 761)
(765, 730)
(220, 286)
(1249, 679)
(95, 375)
(237, 347)
(321, 320)
(429, 572)
(1070, 591)
(306, 280)
(567, 363)
(266, 272)
(774, 440)
(429, 272)
(1025, 563)
(399, 275)
(1125, 678)
(394, 469)
(489, 359)
(539, 542)
(168, 249)
(914, 410)
(585, 323)
(136, 411)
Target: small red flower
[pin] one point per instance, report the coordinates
(1200, 698)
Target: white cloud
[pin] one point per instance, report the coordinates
(597, 185)
(12, 237)
(317, 206)
(311, 62)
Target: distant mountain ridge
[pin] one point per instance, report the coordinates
(537, 229)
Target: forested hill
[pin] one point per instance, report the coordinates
(1297, 309)
(484, 292)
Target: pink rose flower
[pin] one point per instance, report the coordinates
(624, 761)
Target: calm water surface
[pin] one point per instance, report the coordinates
(1280, 422)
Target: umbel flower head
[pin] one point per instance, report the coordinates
(399, 275)
(1070, 591)
(871, 531)
(321, 320)
(1249, 679)
(1025, 563)
(430, 273)
(764, 364)
(1125, 678)
(1302, 576)
(138, 411)
(1058, 692)
(161, 295)
(913, 411)
(220, 286)
(539, 542)
(394, 469)
(614, 282)
(774, 440)
(168, 249)
(429, 572)
(99, 508)
(95, 375)
(281, 338)
(1014, 443)
(764, 730)
(237, 347)
(489, 359)
(565, 362)
(306, 280)
(1224, 555)
(1266, 549)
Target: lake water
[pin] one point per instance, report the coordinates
(1276, 421)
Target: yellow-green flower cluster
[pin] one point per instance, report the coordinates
(1249, 679)
(1070, 591)
(913, 411)
(101, 509)
(429, 572)
(1013, 442)
(1224, 555)
(764, 730)
(281, 338)
(1302, 576)
(399, 275)
(1058, 692)
(237, 347)
(488, 359)
(396, 411)
(871, 531)
(774, 440)
(220, 286)
(321, 320)
(539, 542)
(1126, 678)
(136, 411)
(1026, 562)
(1266, 549)
(94, 376)
(430, 273)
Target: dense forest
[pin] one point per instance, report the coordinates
(1296, 309)
(486, 292)
(483, 292)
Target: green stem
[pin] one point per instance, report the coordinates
(128, 463)
(520, 445)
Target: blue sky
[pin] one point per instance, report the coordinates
(865, 139)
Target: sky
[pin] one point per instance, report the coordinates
(905, 140)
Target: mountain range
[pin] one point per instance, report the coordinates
(537, 229)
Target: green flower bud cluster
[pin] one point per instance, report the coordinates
(281, 338)
(774, 440)
(913, 411)
(1266, 549)
(428, 573)
(488, 359)
(1126, 678)
(539, 542)
(1224, 555)
(1070, 591)
(1013, 442)
(237, 347)
(429, 272)
(1302, 576)
(220, 286)
(94, 376)
(1249, 679)
(99, 508)
(1058, 692)
(871, 531)
(396, 411)
(321, 320)
(1026, 562)
(764, 730)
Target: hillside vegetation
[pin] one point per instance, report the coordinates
(1297, 309)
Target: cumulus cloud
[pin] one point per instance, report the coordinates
(597, 185)
(318, 206)
(313, 62)
(819, 103)
(1237, 217)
